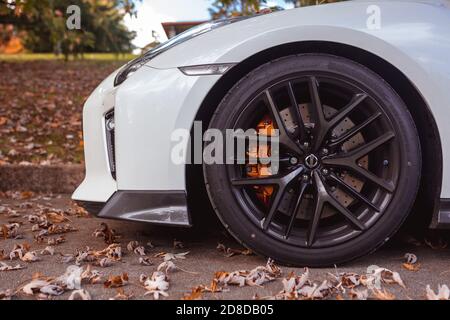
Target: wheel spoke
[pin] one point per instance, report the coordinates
(316, 102)
(315, 219)
(244, 182)
(323, 126)
(346, 136)
(369, 147)
(356, 101)
(264, 160)
(322, 193)
(294, 214)
(279, 180)
(346, 213)
(275, 203)
(295, 106)
(285, 138)
(352, 192)
(350, 159)
(386, 185)
(320, 125)
(314, 223)
(282, 184)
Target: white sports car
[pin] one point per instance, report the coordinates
(354, 98)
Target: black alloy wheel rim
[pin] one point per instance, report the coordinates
(339, 160)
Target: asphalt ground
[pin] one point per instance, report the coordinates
(203, 259)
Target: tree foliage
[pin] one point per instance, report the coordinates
(304, 3)
(44, 23)
(227, 8)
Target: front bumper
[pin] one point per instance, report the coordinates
(164, 208)
(99, 184)
(130, 172)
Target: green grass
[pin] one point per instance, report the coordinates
(51, 56)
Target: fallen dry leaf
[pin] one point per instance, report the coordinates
(105, 232)
(359, 294)
(229, 252)
(196, 294)
(71, 279)
(114, 252)
(411, 263)
(411, 267)
(48, 251)
(292, 284)
(375, 275)
(19, 251)
(60, 229)
(78, 211)
(255, 277)
(6, 294)
(56, 217)
(80, 295)
(10, 231)
(56, 241)
(105, 262)
(157, 284)
(167, 266)
(91, 276)
(410, 258)
(140, 251)
(6, 267)
(315, 291)
(30, 257)
(132, 245)
(52, 290)
(145, 261)
(442, 294)
(346, 280)
(121, 295)
(382, 294)
(35, 286)
(116, 281)
(171, 256)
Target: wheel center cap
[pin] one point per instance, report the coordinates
(311, 161)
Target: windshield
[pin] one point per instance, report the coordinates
(191, 33)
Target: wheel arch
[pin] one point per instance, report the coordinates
(432, 158)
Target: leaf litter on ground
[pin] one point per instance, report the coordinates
(230, 252)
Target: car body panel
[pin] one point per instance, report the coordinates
(148, 110)
(158, 99)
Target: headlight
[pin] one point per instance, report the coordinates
(134, 65)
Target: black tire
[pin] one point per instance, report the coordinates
(235, 217)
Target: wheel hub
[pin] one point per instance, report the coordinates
(312, 161)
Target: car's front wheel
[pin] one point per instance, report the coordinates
(349, 161)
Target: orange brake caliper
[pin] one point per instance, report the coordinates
(263, 193)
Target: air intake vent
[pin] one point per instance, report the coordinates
(110, 141)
